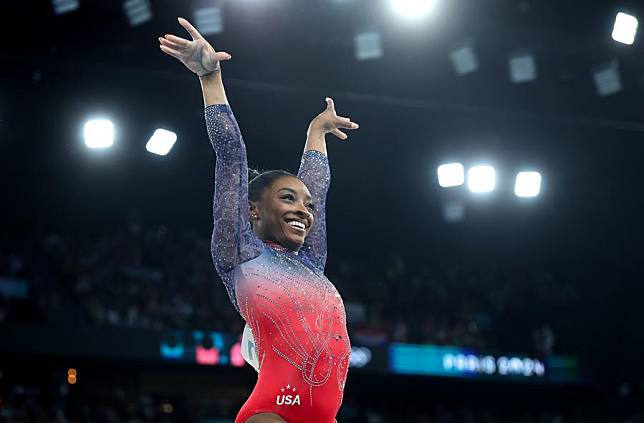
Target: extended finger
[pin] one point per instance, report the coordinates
(191, 29)
(329, 104)
(170, 51)
(222, 55)
(177, 40)
(339, 134)
(345, 122)
(170, 44)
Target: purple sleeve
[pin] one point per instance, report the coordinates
(233, 240)
(316, 175)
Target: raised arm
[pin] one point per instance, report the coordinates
(314, 172)
(233, 241)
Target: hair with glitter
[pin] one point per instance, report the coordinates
(259, 181)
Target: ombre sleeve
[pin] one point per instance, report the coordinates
(316, 175)
(233, 240)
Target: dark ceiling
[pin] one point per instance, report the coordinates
(413, 109)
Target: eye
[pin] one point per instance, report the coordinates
(289, 197)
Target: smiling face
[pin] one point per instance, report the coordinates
(284, 214)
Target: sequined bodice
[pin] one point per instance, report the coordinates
(295, 312)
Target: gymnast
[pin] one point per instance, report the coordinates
(269, 247)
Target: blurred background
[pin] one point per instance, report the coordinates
(484, 222)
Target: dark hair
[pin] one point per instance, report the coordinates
(259, 181)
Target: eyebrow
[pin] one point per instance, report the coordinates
(293, 192)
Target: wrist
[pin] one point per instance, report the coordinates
(315, 130)
(210, 75)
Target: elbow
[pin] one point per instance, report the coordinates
(222, 265)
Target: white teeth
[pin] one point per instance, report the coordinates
(296, 224)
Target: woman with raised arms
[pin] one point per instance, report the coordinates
(269, 247)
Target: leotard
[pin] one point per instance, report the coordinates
(296, 315)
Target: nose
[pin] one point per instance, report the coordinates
(303, 212)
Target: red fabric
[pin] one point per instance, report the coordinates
(299, 326)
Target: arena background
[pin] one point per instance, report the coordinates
(108, 293)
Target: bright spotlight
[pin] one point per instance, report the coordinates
(528, 184)
(161, 142)
(481, 179)
(451, 175)
(625, 28)
(412, 8)
(99, 133)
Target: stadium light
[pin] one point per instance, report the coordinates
(367, 46)
(453, 211)
(481, 179)
(412, 8)
(464, 60)
(625, 28)
(450, 175)
(99, 133)
(528, 184)
(607, 79)
(138, 11)
(161, 142)
(64, 6)
(522, 67)
(209, 20)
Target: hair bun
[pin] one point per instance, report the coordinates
(252, 174)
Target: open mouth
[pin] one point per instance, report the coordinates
(296, 225)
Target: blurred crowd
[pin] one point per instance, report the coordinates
(153, 279)
(450, 303)
(157, 279)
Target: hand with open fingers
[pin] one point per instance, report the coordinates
(329, 121)
(197, 55)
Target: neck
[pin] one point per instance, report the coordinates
(274, 245)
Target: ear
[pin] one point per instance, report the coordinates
(254, 210)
